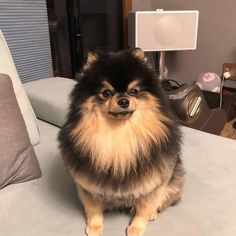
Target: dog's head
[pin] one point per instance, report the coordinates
(117, 84)
(118, 100)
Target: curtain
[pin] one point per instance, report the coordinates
(24, 24)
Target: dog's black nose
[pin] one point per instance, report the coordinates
(123, 103)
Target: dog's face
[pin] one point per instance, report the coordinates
(119, 104)
(118, 84)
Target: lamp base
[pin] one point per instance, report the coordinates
(162, 67)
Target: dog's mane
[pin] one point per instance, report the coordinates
(117, 145)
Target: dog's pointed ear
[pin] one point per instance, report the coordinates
(92, 57)
(139, 54)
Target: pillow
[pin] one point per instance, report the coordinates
(50, 98)
(18, 162)
(7, 66)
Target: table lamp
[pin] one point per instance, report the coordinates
(161, 31)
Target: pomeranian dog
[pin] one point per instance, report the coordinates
(121, 143)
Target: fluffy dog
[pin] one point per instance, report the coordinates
(121, 142)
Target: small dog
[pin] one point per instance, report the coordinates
(121, 142)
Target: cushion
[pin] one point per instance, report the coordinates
(50, 98)
(7, 66)
(18, 162)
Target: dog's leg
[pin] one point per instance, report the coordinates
(144, 212)
(147, 208)
(94, 213)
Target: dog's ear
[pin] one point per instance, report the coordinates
(139, 54)
(92, 57)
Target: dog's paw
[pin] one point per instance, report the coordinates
(134, 231)
(153, 217)
(94, 230)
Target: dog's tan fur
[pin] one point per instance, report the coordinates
(139, 53)
(134, 85)
(122, 140)
(92, 58)
(94, 213)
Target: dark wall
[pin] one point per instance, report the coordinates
(216, 36)
(101, 23)
(80, 26)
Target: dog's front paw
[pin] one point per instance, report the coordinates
(135, 231)
(94, 230)
(153, 216)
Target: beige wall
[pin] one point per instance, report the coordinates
(216, 36)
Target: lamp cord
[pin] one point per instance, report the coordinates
(221, 91)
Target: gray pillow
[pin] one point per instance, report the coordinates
(18, 162)
(50, 98)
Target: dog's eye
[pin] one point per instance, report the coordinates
(133, 92)
(106, 94)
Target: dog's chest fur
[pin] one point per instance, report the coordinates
(117, 150)
(116, 147)
(119, 161)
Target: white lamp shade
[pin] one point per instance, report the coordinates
(163, 30)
